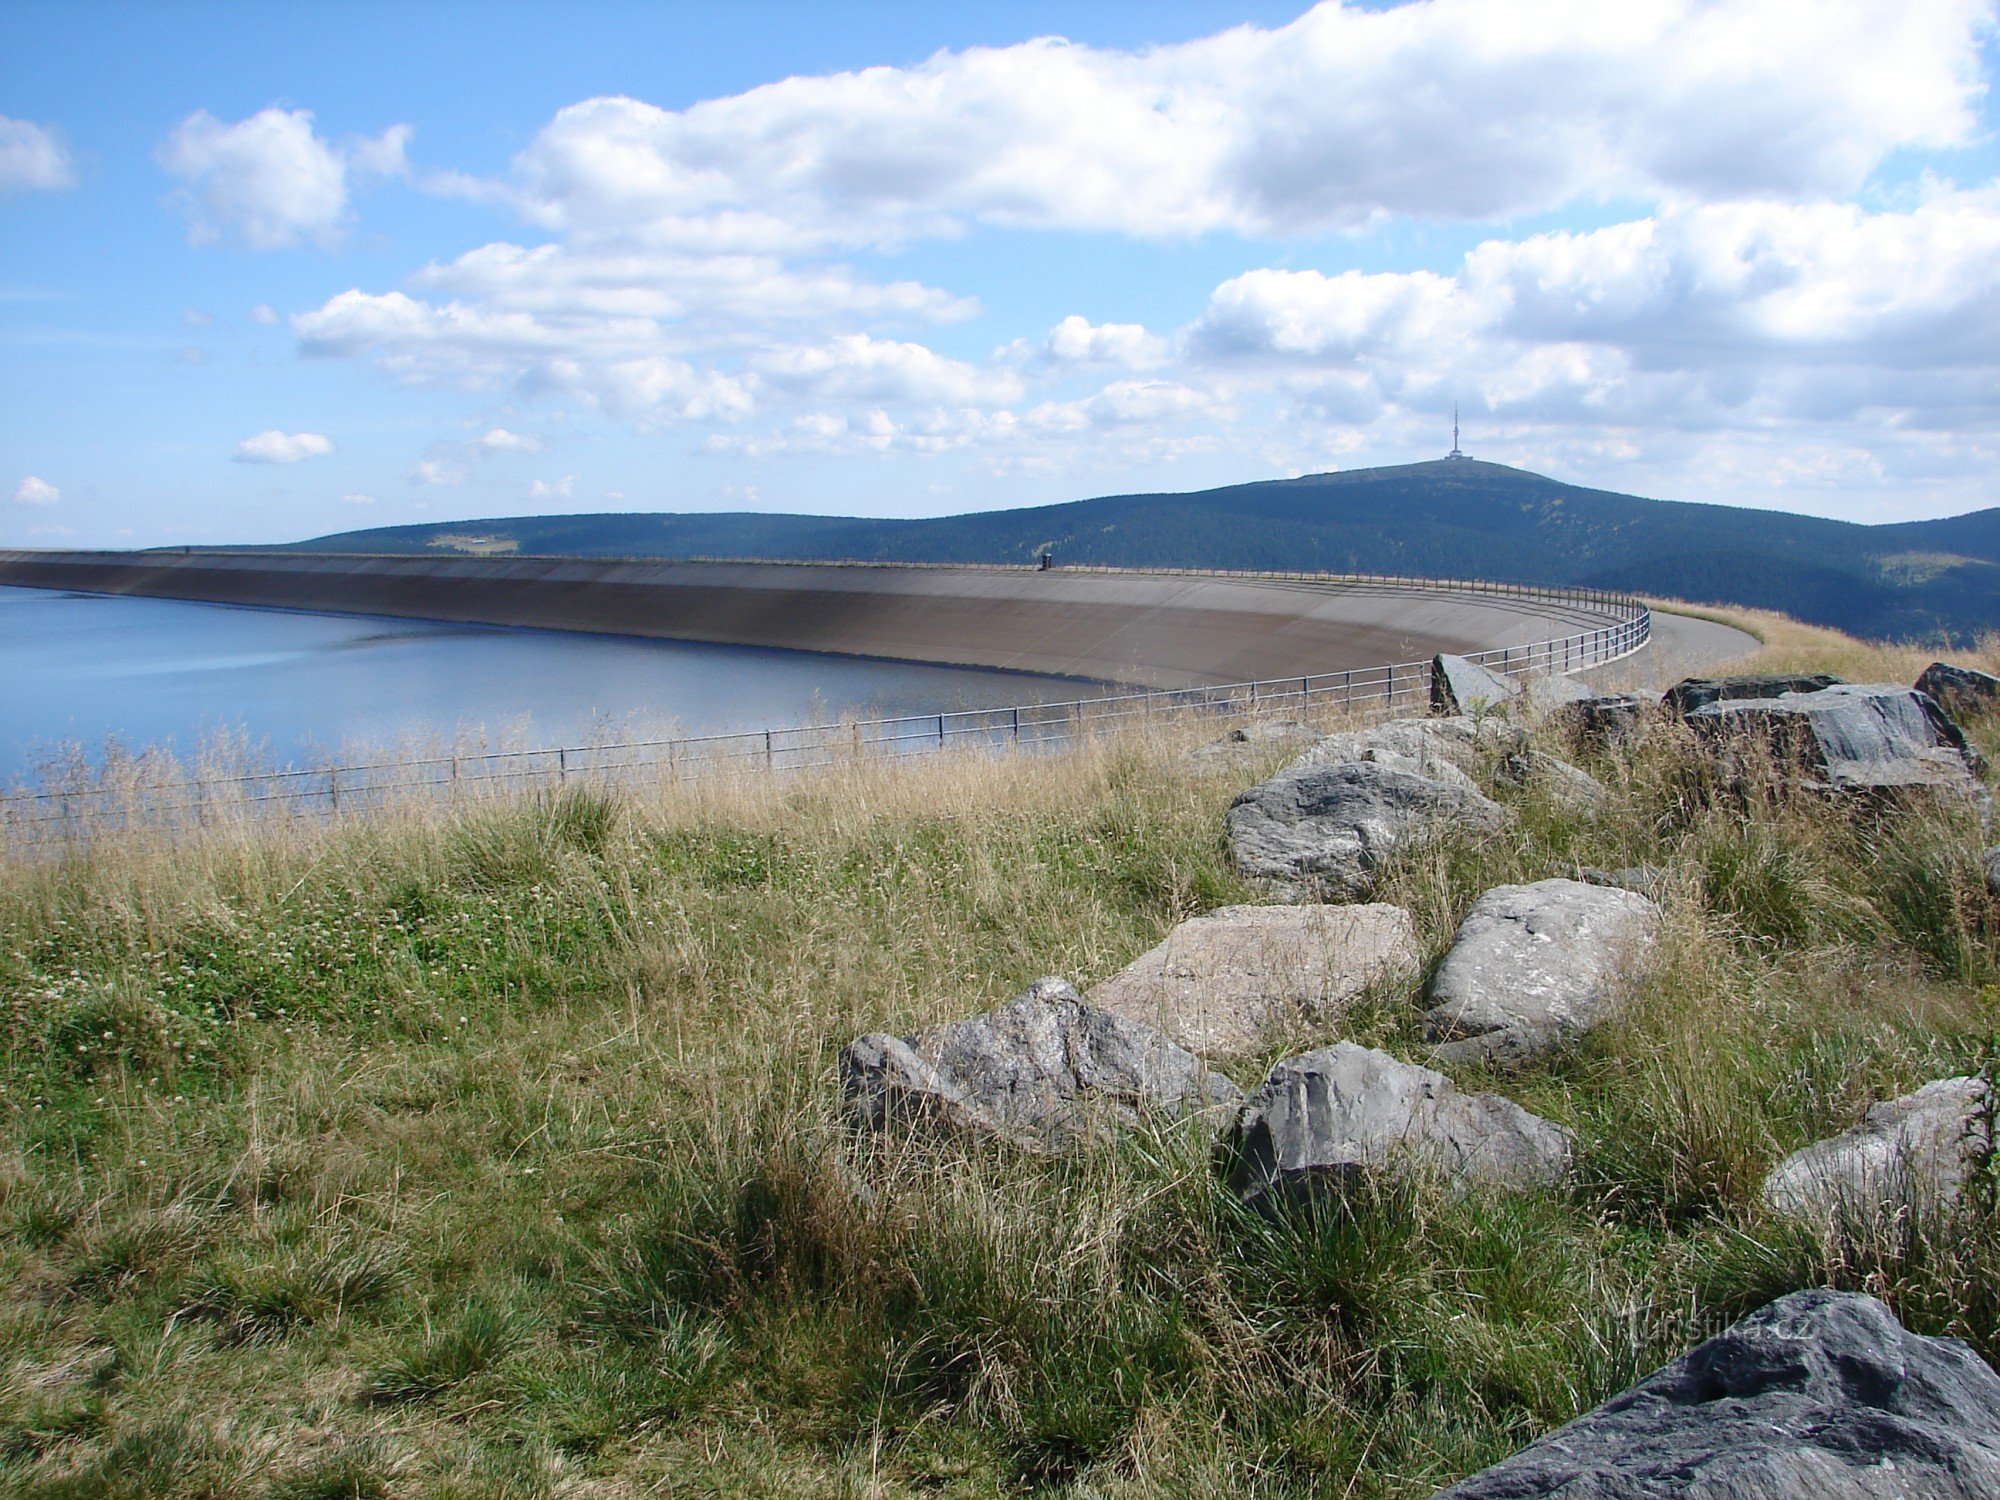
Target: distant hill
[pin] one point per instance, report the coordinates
(1451, 518)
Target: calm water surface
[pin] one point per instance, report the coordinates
(84, 669)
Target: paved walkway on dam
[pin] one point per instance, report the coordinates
(1681, 646)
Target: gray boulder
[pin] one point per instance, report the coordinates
(1853, 736)
(1325, 829)
(1459, 686)
(1044, 1071)
(1327, 1120)
(1448, 749)
(1918, 1150)
(1534, 964)
(1691, 693)
(1958, 688)
(1568, 788)
(1608, 719)
(1224, 982)
(1818, 1396)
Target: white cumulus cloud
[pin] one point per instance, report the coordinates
(270, 180)
(33, 158)
(34, 491)
(275, 447)
(558, 489)
(500, 440)
(1453, 108)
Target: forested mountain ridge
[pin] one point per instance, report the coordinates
(1448, 518)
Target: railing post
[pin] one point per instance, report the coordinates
(562, 765)
(770, 755)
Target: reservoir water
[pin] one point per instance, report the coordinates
(83, 669)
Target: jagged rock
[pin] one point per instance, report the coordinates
(1991, 860)
(1327, 828)
(1818, 1396)
(1917, 1150)
(1650, 881)
(1853, 736)
(1533, 964)
(1459, 686)
(1609, 719)
(1045, 1071)
(1252, 737)
(1575, 791)
(1446, 749)
(1956, 688)
(1221, 983)
(1691, 693)
(1328, 1119)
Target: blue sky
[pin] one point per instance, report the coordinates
(272, 271)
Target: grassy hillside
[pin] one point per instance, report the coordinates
(1449, 518)
(495, 1151)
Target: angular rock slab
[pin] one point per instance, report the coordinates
(1221, 983)
(1690, 693)
(1327, 1120)
(1325, 829)
(1856, 736)
(1045, 1072)
(1954, 688)
(1533, 964)
(1817, 1396)
(1918, 1150)
(1459, 686)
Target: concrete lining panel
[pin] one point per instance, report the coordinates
(1147, 629)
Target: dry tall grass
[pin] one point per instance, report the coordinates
(494, 1149)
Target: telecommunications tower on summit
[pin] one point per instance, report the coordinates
(1454, 433)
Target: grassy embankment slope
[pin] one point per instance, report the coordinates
(1446, 519)
(495, 1151)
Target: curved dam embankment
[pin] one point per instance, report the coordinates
(1147, 629)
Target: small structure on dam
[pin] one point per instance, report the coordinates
(1144, 628)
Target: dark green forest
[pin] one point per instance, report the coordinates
(1449, 518)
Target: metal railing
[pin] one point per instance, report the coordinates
(92, 801)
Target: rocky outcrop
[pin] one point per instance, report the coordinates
(1327, 1120)
(1225, 982)
(1959, 688)
(1326, 829)
(1918, 1150)
(1852, 736)
(1534, 964)
(1691, 693)
(1044, 1071)
(1819, 1396)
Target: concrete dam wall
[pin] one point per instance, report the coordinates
(1147, 629)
